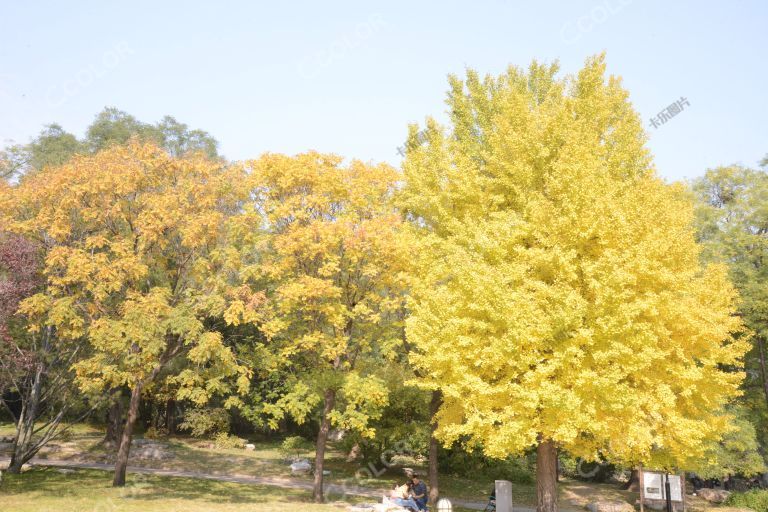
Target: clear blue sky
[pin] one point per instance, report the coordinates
(347, 77)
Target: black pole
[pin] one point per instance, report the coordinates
(668, 492)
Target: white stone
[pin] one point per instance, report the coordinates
(301, 466)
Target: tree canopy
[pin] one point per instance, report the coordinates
(564, 275)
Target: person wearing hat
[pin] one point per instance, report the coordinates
(419, 491)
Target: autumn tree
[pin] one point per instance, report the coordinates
(36, 379)
(318, 255)
(127, 233)
(732, 222)
(559, 300)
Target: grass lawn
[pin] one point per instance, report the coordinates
(48, 490)
(266, 460)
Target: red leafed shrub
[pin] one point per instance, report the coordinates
(19, 278)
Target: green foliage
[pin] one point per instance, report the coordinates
(179, 140)
(457, 461)
(757, 500)
(224, 441)
(155, 433)
(53, 146)
(295, 446)
(736, 453)
(403, 426)
(580, 469)
(732, 224)
(206, 422)
(113, 126)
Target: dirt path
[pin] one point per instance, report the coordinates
(333, 491)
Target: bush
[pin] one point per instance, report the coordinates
(206, 422)
(224, 441)
(587, 471)
(756, 500)
(294, 446)
(459, 462)
(155, 433)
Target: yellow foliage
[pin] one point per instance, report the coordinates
(128, 232)
(557, 291)
(320, 252)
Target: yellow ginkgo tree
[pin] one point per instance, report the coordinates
(127, 234)
(559, 301)
(320, 260)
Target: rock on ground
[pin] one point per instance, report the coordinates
(713, 495)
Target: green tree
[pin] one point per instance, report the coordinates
(53, 146)
(113, 126)
(732, 221)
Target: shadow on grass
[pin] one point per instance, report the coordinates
(49, 482)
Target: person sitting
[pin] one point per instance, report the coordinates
(400, 496)
(419, 492)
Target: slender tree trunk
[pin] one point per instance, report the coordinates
(25, 427)
(115, 419)
(354, 453)
(19, 440)
(434, 406)
(125, 440)
(322, 438)
(546, 477)
(763, 370)
(170, 416)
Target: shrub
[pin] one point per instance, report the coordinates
(756, 500)
(155, 433)
(224, 441)
(588, 471)
(206, 422)
(294, 446)
(459, 462)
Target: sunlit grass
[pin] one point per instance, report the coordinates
(43, 490)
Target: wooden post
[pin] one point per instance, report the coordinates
(642, 487)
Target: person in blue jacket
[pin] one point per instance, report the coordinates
(419, 492)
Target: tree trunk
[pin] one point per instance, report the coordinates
(633, 484)
(322, 438)
(170, 416)
(127, 437)
(434, 406)
(115, 419)
(22, 441)
(546, 477)
(354, 453)
(763, 370)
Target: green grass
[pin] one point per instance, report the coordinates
(756, 500)
(268, 460)
(48, 490)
